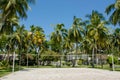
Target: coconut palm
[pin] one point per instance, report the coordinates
(13, 8)
(97, 31)
(38, 39)
(27, 43)
(58, 37)
(19, 34)
(115, 9)
(75, 32)
(10, 47)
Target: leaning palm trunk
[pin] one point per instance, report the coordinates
(3, 20)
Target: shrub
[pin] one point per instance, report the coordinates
(68, 63)
(63, 62)
(109, 59)
(4, 64)
(79, 62)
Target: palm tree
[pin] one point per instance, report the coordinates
(19, 34)
(12, 47)
(67, 44)
(10, 23)
(13, 8)
(116, 38)
(115, 9)
(75, 33)
(96, 31)
(111, 45)
(38, 39)
(58, 37)
(27, 44)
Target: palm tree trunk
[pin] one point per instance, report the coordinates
(27, 58)
(74, 57)
(13, 68)
(8, 56)
(113, 66)
(93, 57)
(19, 58)
(38, 57)
(19, 61)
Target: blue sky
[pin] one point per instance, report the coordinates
(48, 13)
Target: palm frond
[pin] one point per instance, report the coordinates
(110, 8)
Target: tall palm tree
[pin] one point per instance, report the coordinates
(75, 33)
(38, 39)
(27, 44)
(67, 46)
(97, 31)
(13, 8)
(115, 9)
(58, 37)
(19, 34)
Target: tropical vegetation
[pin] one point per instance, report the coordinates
(86, 42)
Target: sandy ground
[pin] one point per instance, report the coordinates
(63, 74)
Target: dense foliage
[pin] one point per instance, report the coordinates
(31, 47)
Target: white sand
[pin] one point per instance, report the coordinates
(63, 74)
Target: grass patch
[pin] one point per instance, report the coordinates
(5, 71)
(39, 66)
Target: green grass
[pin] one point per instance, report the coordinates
(5, 71)
(39, 66)
(105, 67)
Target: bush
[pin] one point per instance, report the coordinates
(49, 56)
(4, 64)
(68, 63)
(109, 59)
(63, 62)
(79, 62)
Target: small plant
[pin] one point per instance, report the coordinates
(63, 62)
(1, 64)
(4, 64)
(79, 62)
(109, 60)
(68, 63)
